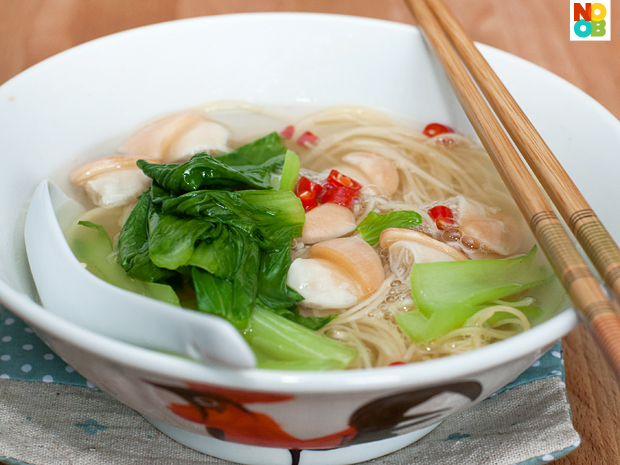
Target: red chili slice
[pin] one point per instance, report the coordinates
(339, 195)
(440, 211)
(435, 129)
(304, 184)
(337, 179)
(396, 364)
(307, 138)
(443, 217)
(287, 132)
(308, 200)
(308, 192)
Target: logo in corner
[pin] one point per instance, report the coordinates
(590, 21)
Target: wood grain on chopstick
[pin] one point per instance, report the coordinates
(575, 275)
(583, 222)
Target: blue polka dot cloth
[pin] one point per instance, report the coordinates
(25, 357)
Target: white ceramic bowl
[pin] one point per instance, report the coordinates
(99, 92)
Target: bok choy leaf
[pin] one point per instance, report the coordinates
(250, 166)
(282, 344)
(220, 221)
(133, 244)
(448, 293)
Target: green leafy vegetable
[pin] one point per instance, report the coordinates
(250, 166)
(233, 298)
(448, 293)
(133, 244)
(272, 289)
(172, 239)
(282, 344)
(373, 225)
(219, 221)
(282, 218)
(225, 254)
(275, 215)
(204, 171)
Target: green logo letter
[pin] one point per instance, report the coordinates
(598, 28)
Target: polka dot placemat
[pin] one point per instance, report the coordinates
(25, 357)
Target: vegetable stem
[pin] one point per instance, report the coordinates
(282, 340)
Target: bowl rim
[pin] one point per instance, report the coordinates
(464, 365)
(158, 364)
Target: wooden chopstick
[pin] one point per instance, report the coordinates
(575, 275)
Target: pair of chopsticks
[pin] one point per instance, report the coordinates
(460, 59)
